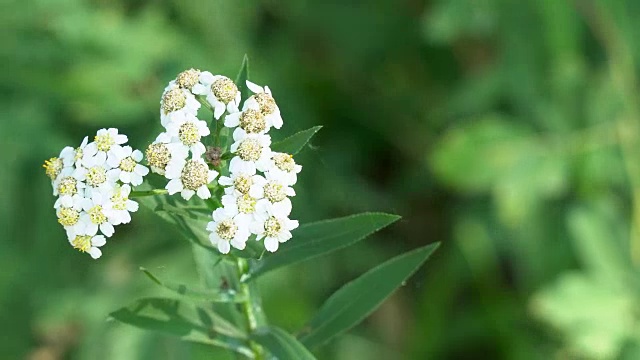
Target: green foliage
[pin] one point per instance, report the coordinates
(357, 299)
(281, 344)
(294, 143)
(322, 237)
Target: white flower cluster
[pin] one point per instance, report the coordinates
(255, 203)
(93, 183)
(177, 152)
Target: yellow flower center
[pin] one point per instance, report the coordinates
(188, 78)
(272, 227)
(246, 204)
(68, 216)
(158, 155)
(67, 186)
(82, 243)
(194, 175)
(53, 167)
(224, 89)
(274, 192)
(252, 121)
(96, 215)
(266, 102)
(188, 133)
(96, 175)
(249, 150)
(284, 162)
(227, 229)
(173, 100)
(78, 154)
(119, 202)
(128, 164)
(242, 183)
(104, 142)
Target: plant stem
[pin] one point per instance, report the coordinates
(153, 192)
(251, 307)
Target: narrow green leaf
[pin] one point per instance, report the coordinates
(322, 237)
(281, 344)
(219, 295)
(184, 320)
(243, 76)
(357, 299)
(294, 143)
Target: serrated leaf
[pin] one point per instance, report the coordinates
(356, 300)
(243, 76)
(184, 320)
(219, 295)
(294, 143)
(322, 237)
(281, 344)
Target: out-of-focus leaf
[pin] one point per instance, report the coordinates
(178, 318)
(594, 316)
(243, 76)
(318, 238)
(356, 300)
(219, 295)
(280, 344)
(294, 143)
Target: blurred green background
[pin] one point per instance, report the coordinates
(508, 130)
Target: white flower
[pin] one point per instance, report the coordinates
(241, 206)
(227, 231)
(95, 178)
(95, 153)
(73, 157)
(95, 217)
(220, 92)
(273, 229)
(159, 155)
(88, 244)
(263, 100)
(176, 102)
(119, 205)
(283, 167)
(68, 214)
(251, 120)
(239, 182)
(252, 152)
(53, 167)
(126, 167)
(67, 184)
(189, 177)
(273, 195)
(185, 131)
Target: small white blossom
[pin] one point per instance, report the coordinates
(119, 206)
(95, 153)
(68, 214)
(175, 103)
(189, 177)
(263, 100)
(185, 132)
(95, 178)
(73, 157)
(227, 230)
(95, 217)
(283, 167)
(239, 182)
(220, 91)
(159, 155)
(273, 196)
(251, 120)
(67, 184)
(241, 206)
(88, 244)
(252, 152)
(273, 229)
(125, 166)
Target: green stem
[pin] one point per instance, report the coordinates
(250, 307)
(153, 192)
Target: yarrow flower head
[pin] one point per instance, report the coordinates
(273, 229)
(92, 188)
(262, 100)
(220, 91)
(177, 101)
(189, 177)
(185, 132)
(227, 230)
(252, 152)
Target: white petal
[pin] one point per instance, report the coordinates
(203, 192)
(232, 120)
(107, 229)
(219, 110)
(174, 186)
(95, 252)
(125, 177)
(132, 206)
(98, 240)
(271, 244)
(253, 87)
(187, 194)
(224, 247)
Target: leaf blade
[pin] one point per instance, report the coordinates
(353, 302)
(178, 318)
(322, 237)
(294, 143)
(195, 293)
(242, 77)
(281, 344)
